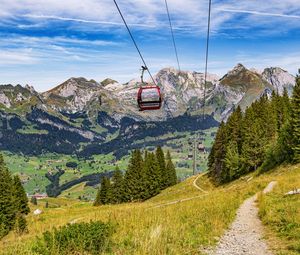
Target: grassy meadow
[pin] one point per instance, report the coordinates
(180, 220)
(281, 214)
(32, 169)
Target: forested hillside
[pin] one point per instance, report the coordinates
(13, 202)
(267, 134)
(145, 177)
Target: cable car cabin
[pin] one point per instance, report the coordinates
(149, 98)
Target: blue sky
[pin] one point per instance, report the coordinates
(43, 43)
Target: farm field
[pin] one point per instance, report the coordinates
(32, 169)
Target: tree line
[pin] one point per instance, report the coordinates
(145, 177)
(13, 202)
(266, 135)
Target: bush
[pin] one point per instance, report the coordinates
(21, 224)
(33, 200)
(71, 165)
(78, 238)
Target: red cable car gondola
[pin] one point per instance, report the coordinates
(149, 96)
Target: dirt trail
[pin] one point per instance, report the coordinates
(196, 185)
(188, 198)
(245, 234)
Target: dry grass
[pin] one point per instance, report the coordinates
(144, 228)
(281, 214)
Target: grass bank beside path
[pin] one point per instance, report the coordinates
(143, 228)
(281, 213)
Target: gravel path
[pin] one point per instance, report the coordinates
(245, 234)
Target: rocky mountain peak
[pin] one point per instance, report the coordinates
(31, 89)
(182, 90)
(108, 81)
(72, 87)
(237, 69)
(279, 79)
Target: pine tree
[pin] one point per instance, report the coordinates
(152, 177)
(20, 197)
(295, 119)
(97, 201)
(170, 170)
(7, 206)
(232, 162)
(117, 187)
(162, 168)
(216, 157)
(285, 108)
(105, 191)
(133, 186)
(234, 128)
(253, 149)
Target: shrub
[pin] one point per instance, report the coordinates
(78, 238)
(71, 165)
(21, 224)
(33, 200)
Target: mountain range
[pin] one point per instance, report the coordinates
(90, 117)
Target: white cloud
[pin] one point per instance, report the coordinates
(261, 13)
(152, 14)
(17, 57)
(38, 41)
(108, 23)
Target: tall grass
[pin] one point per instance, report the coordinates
(155, 226)
(281, 214)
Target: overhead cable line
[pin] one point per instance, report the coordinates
(205, 80)
(134, 42)
(172, 33)
(206, 56)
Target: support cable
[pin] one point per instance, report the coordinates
(206, 56)
(134, 42)
(172, 33)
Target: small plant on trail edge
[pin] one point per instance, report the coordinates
(78, 238)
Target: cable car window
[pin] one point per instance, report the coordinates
(150, 95)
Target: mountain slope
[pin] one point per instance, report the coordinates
(83, 114)
(152, 227)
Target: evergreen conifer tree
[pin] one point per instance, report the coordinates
(117, 187)
(232, 162)
(105, 191)
(7, 207)
(162, 168)
(234, 128)
(253, 150)
(133, 186)
(97, 201)
(20, 197)
(152, 177)
(295, 119)
(171, 171)
(216, 157)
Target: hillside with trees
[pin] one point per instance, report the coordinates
(145, 177)
(13, 202)
(266, 135)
